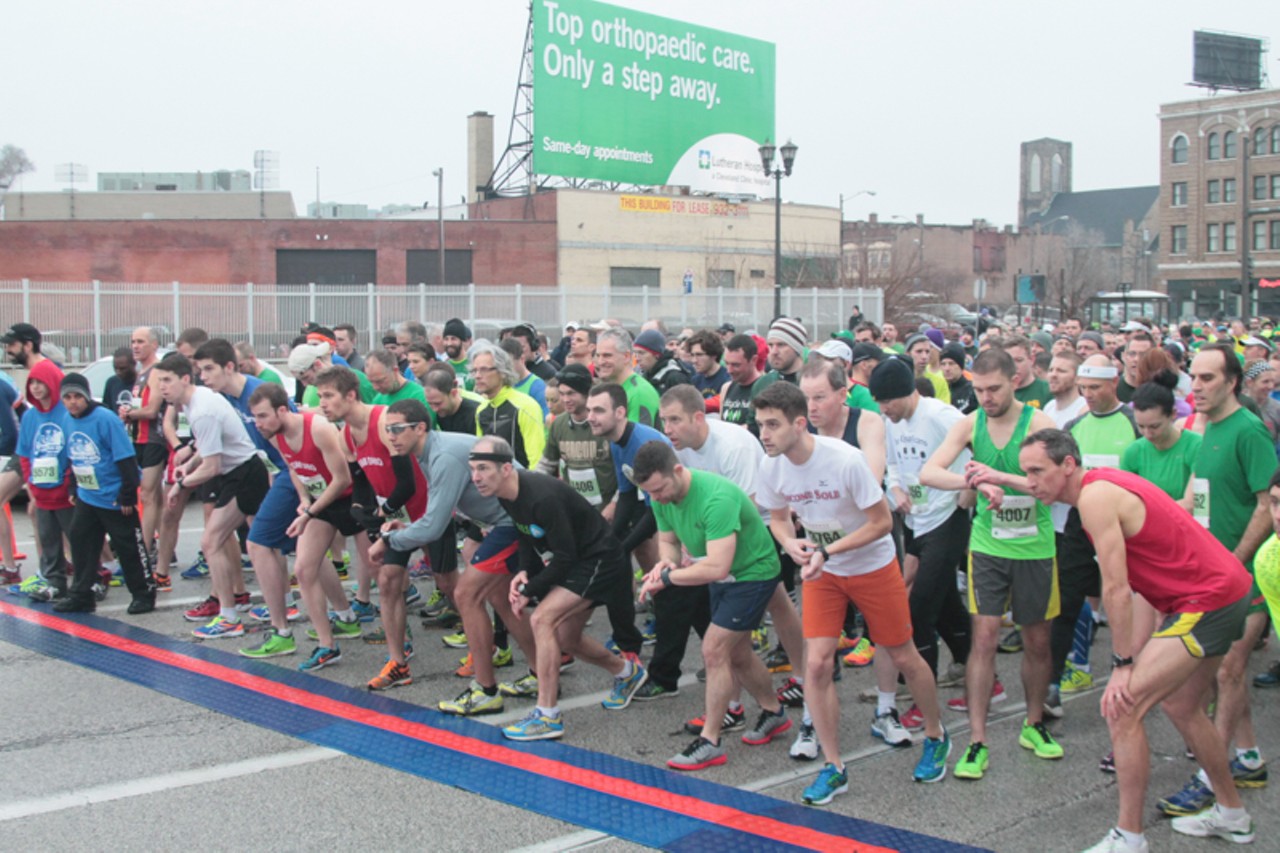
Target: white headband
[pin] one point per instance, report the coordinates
(1096, 371)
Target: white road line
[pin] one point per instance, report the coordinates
(165, 782)
(31, 543)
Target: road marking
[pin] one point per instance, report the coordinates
(165, 782)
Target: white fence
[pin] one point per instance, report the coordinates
(90, 319)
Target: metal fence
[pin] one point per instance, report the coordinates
(90, 319)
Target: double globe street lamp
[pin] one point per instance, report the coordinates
(767, 152)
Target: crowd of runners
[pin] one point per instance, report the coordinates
(1001, 490)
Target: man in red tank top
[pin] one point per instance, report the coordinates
(1149, 545)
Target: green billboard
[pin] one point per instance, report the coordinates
(626, 97)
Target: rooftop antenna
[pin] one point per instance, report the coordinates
(266, 176)
(71, 174)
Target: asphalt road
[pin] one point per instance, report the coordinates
(91, 762)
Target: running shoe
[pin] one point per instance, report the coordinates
(366, 611)
(435, 603)
(142, 604)
(204, 611)
(1270, 678)
(218, 628)
(887, 727)
(164, 583)
(1246, 777)
(777, 660)
(455, 641)
(1075, 679)
(932, 766)
(75, 604)
(1108, 763)
(805, 746)
(412, 596)
(791, 693)
(768, 726)
(733, 721)
(649, 632)
(393, 674)
(419, 570)
(262, 613)
(1036, 737)
(954, 676)
(345, 630)
(698, 755)
(117, 574)
(244, 602)
(448, 619)
(10, 576)
(624, 689)
(824, 789)
(100, 591)
(973, 764)
(759, 638)
(1194, 797)
(997, 695)
(524, 687)
(379, 637)
(272, 645)
(653, 690)
(913, 720)
(535, 726)
(246, 564)
(33, 587)
(472, 702)
(871, 695)
(501, 658)
(322, 657)
(1212, 823)
(199, 570)
(1053, 702)
(1011, 644)
(862, 654)
(1114, 843)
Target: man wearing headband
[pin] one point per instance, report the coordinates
(586, 568)
(1011, 554)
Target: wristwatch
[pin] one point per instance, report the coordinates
(307, 512)
(1117, 661)
(665, 574)
(822, 549)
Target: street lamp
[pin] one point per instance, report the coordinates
(788, 153)
(438, 174)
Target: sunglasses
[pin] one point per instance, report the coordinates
(396, 429)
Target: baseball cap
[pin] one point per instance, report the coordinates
(836, 349)
(866, 352)
(21, 333)
(728, 327)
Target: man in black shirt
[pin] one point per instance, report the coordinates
(454, 412)
(586, 568)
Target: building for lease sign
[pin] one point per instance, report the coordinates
(626, 97)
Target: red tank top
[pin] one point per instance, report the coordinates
(307, 462)
(375, 459)
(1173, 562)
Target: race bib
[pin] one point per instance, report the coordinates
(315, 485)
(823, 532)
(86, 477)
(399, 515)
(44, 471)
(1200, 501)
(183, 426)
(584, 482)
(1015, 519)
(919, 494)
(1100, 460)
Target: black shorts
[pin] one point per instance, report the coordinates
(740, 605)
(246, 484)
(600, 581)
(338, 514)
(150, 455)
(14, 465)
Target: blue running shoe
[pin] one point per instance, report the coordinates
(932, 766)
(197, 570)
(625, 688)
(536, 727)
(824, 789)
(1194, 797)
(366, 611)
(320, 658)
(412, 596)
(650, 631)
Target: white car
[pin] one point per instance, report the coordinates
(101, 370)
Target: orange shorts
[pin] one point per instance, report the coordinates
(880, 595)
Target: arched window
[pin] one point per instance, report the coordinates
(1179, 149)
(1259, 142)
(1033, 179)
(1229, 145)
(1212, 151)
(1275, 139)
(1055, 173)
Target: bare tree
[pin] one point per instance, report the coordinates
(13, 162)
(1079, 266)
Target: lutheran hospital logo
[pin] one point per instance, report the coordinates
(704, 158)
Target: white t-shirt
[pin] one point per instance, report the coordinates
(730, 451)
(830, 493)
(1061, 417)
(218, 429)
(911, 442)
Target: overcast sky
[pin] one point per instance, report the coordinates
(923, 102)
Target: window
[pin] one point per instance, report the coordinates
(1178, 243)
(1213, 193)
(1229, 237)
(1212, 150)
(1275, 186)
(635, 277)
(1275, 234)
(1229, 145)
(1259, 187)
(1179, 198)
(1259, 141)
(1228, 190)
(1033, 178)
(720, 278)
(1179, 147)
(1259, 235)
(1055, 173)
(1212, 238)
(1275, 139)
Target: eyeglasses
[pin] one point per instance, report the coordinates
(396, 429)
(483, 370)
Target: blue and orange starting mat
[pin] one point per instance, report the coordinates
(647, 805)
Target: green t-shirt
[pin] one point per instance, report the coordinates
(1237, 459)
(715, 508)
(463, 373)
(311, 397)
(407, 391)
(269, 374)
(642, 400)
(860, 398)
(1103, 439)
(1035, 395)
(1167, 469)
(1022, 528)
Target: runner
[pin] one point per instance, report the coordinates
(586, 568)
(576, 454)
(847, 556)
(506, 413)
(787, 341)
(42, 439)
(143, 417)
(1011, 554)
(745, 382)
(457, 340)
(1147, 544)
(614, 364)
